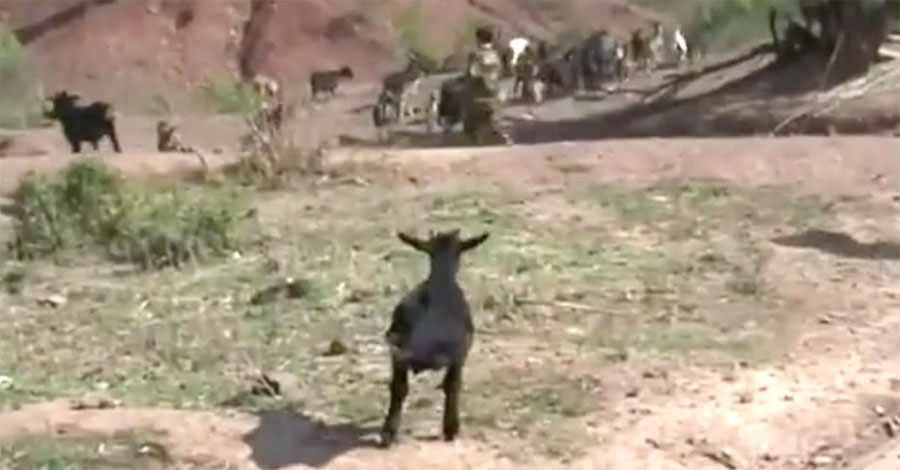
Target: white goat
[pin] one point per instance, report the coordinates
(517, 45)
(679, 45)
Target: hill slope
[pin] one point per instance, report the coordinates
(117, 49)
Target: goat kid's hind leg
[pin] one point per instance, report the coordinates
(399, 389)
(452, 386)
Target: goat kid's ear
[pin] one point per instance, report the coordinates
(473, 242)
(412, 241)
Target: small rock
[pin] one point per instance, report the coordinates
(721, 457)
(336, 348)
(890, 427)
(617, 356)
(6, 382)
(95, 401)
(153, 450)
(894, 384)
(821, 461)
(745, 397)
(633, 392)
(54, 301)
(879, 410)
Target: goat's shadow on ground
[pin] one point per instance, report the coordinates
(840, 244)
(285, 437)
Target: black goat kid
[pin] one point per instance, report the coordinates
(431, 329)
(84, 123)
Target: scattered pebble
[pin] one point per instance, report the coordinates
(54, 301)
(95, 401)
(336, 348)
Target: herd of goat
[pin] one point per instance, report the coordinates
(595, 61)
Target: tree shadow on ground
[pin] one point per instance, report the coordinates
(714, 109)
(840, 244)
(285, 437)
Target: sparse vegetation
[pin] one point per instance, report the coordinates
(20, 106)
(84, 452)
(668, 276)
(413, 31)
(89, 208)
(464, 38)
(230, 97)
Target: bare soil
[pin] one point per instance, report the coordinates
(823, 399)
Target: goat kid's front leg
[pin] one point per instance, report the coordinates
(114, 138)
(452, 385)
(399, 389)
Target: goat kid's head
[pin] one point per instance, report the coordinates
(346, 72)
(444, 248)
(60, 103)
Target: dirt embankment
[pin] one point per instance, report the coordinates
(162, 45)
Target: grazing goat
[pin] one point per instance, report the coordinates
(168, 139)
(679, 45)
(656, 46)
(640, 51)
(266, 87)
(432, 116)
(404, 84)
(326, 81)
(517, 46)
(598, 59)
(559, 75)
(451, 102)
(84, 123)
(431, 329)
(385, 114)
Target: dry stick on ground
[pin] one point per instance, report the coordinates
(831, 60)
(827, 101)
(564, 304)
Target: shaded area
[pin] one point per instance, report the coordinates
(285, 437)
(32, 32)
(840, 244)
(730, 106)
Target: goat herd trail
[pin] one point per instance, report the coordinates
(825, 403)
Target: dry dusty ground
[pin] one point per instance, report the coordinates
(642, 304)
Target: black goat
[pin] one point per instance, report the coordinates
(326, 81)
(431, 329)
(451, 102)
(560, 74)
(84, 123)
